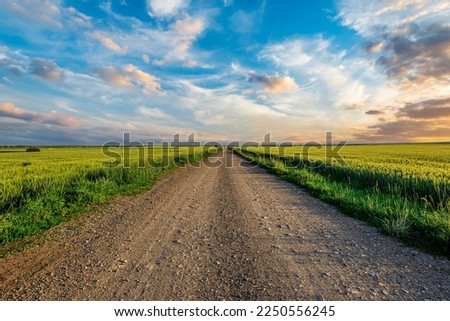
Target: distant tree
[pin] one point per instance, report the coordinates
(33, 149)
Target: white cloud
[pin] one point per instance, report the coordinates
(332, 76)
(159, 62)
(190, 63)
(372, 18)
(237, 68)
(172, 44)
(46, 12)
(79, 18)
(184, 33)
(247, 21)
(166, 8)
(154, 113)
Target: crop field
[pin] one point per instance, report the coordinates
(403, 188)
(39, 190)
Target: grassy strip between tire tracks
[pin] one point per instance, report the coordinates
(414, 223)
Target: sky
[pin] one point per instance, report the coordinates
(87, 71)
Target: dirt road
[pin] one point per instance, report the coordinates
(233, 233)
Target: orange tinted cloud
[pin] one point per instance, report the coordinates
(188, 26)
(108, 42)
(406, 130)
(185, 32)
(274, 84)
(428, 109)
(417, 55)
(129, 77)
(9, 110)
(422, 121)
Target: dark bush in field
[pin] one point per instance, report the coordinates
(33, 149)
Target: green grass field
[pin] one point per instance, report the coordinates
(404, 189)
(39, 190)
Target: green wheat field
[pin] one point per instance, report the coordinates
(402, 188)
(39, 190)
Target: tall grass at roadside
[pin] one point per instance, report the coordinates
(413, 217)
(58, 184)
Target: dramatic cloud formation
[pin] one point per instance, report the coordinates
(410, 42)
(166, 8)
(426, 120)
(130, 77)
(405, 130)
(409, 38)
(428, 109)
(274, 84)
(46, 69)
(417, 54)
(9, 110)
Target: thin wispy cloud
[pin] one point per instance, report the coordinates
(12, 66)
(107, 42)
(247, 22)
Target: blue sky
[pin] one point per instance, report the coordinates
(85, 72)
